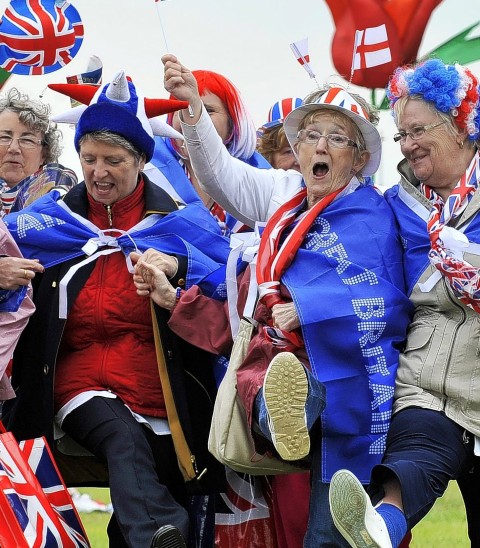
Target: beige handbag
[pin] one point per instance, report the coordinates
(230, 439)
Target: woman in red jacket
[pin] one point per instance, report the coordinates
(94, 356)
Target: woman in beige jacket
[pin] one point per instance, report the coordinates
(435, 430)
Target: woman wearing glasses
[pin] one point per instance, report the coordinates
(29, 150)
(29, 144)
(435, 430)
(332, 309)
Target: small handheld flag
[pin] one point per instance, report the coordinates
(370, 48)
(300, 50)
(92, 75)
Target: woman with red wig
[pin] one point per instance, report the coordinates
(235, 126)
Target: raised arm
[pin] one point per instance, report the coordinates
(248, 193)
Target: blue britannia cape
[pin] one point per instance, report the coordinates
(348, 287)
(49, 231)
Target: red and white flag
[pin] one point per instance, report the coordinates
(300, 50)
(370, 48)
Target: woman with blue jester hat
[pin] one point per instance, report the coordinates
(96, 359)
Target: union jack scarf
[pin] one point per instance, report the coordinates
(275, 256)
(463, 278)
(32, 187)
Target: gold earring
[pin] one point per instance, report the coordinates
(460, 144)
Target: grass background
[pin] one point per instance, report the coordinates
(444, 526)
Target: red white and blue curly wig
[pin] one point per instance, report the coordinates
(453, 90)
(243, 139)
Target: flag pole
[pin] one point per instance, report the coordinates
(157, 2)
(358, 36)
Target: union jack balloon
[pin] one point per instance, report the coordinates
(39, 36)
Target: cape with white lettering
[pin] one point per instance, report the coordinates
(50, 231)
(347, 284)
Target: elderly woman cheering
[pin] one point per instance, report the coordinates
(96, 356)
(434, 433)
(332, 311)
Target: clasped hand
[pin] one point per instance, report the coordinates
(285, 317)
(152, 270)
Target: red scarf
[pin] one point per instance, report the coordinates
(274, 257)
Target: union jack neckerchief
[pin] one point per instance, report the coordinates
(463, 278)
(275, 256)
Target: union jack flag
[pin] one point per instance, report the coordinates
(31, 485)
(39, 36)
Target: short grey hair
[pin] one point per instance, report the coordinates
(110, 138)
(36, 116)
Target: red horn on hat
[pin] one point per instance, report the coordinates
(83, 93)
(156, 107)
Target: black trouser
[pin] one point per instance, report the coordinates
(146, 486)
(469, 485)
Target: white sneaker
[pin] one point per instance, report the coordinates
(84, 503)
(353, 514)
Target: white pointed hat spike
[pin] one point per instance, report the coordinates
(118, 88)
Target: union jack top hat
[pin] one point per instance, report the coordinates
(279, 111)
(339, 100)
(116, 107)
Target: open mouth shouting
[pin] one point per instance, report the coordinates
(104, 188)
(320, 170)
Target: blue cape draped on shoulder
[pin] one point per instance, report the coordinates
(411, 218)
(414, 234)
(49, 231)
(347, 284)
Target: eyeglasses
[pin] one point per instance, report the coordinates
(335, 140)
(416, 133)
(23, 142)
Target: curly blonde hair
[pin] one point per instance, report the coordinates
(271, 141)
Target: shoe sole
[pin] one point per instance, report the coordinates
(168, 537)
(285, 390)
(348, 506)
